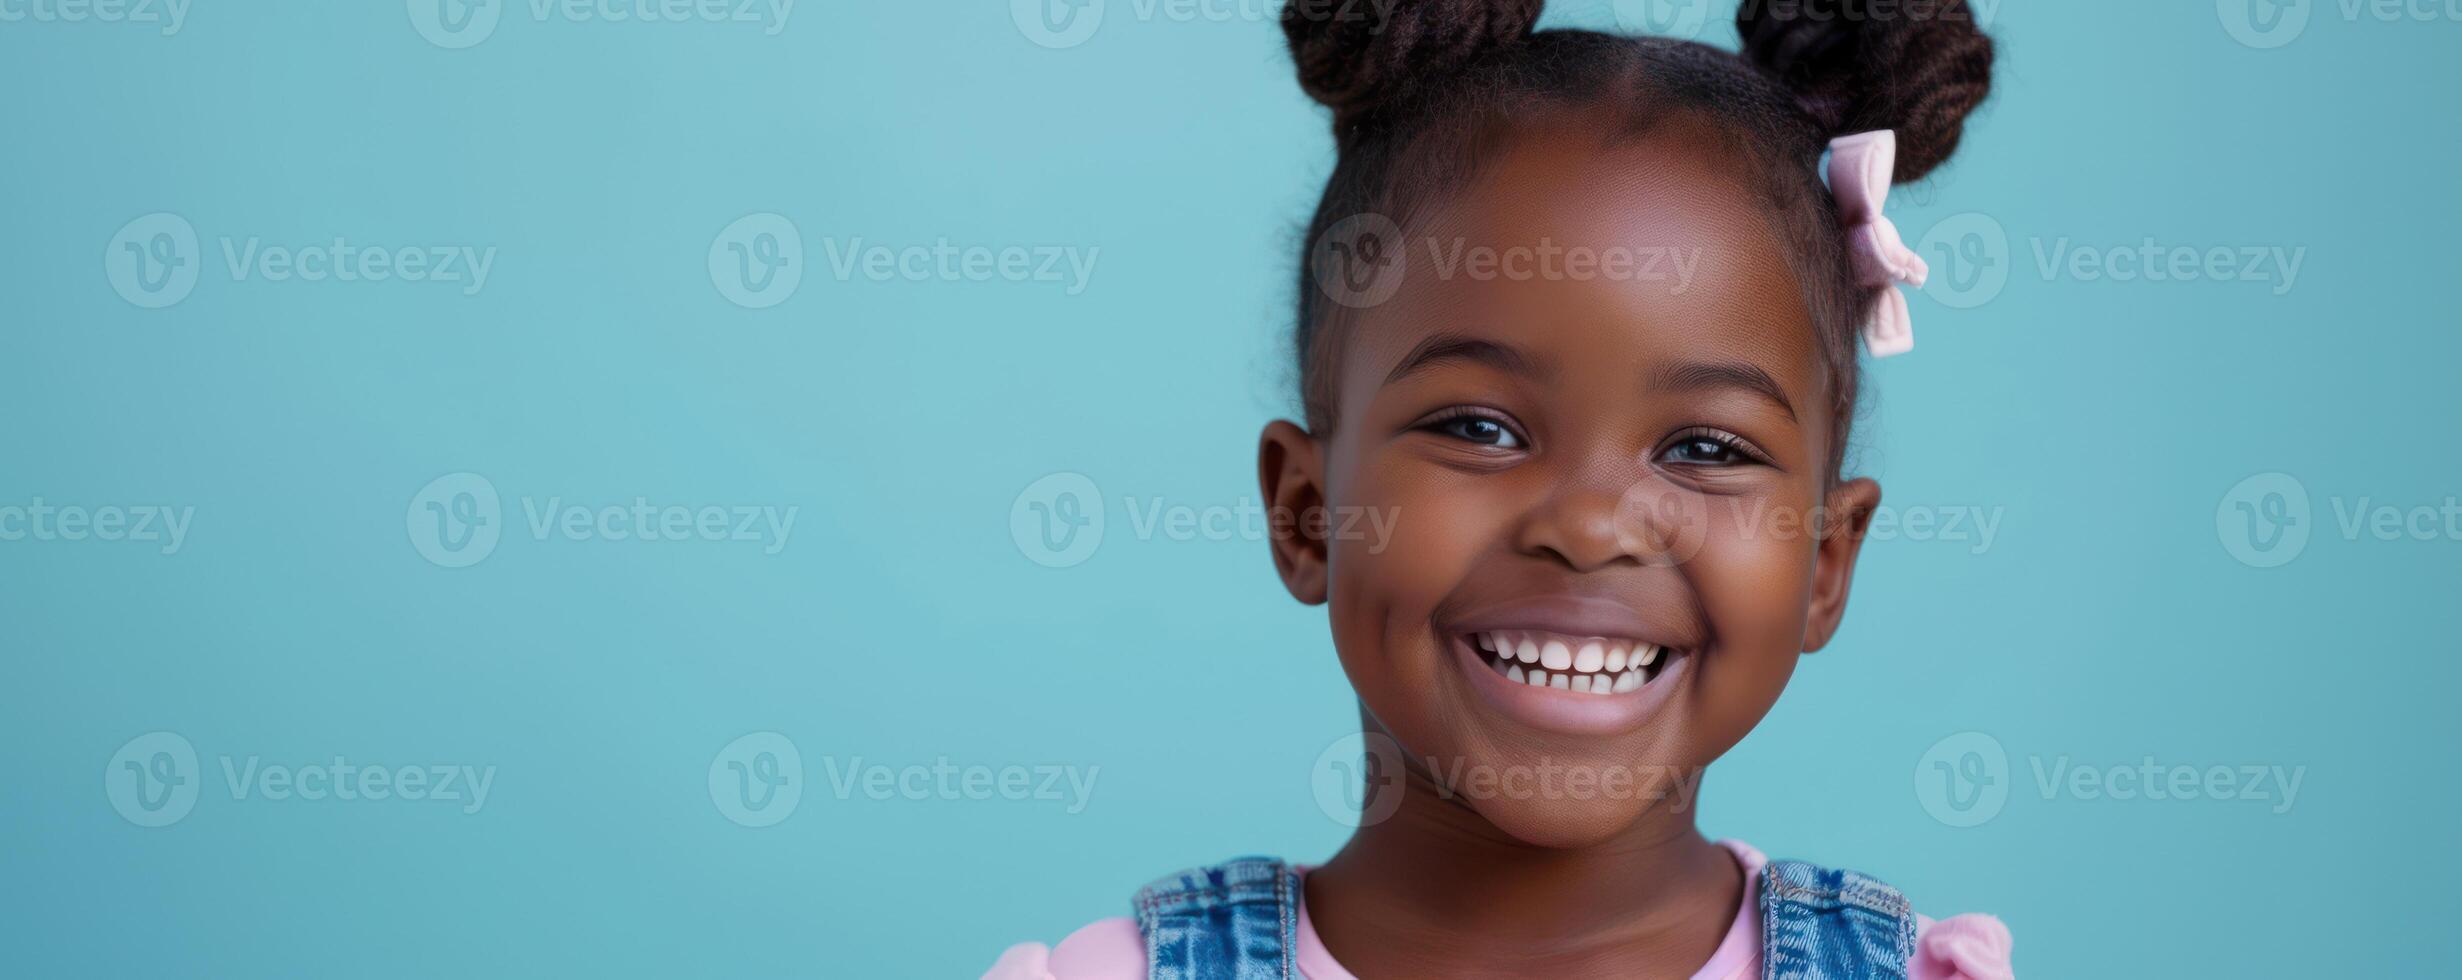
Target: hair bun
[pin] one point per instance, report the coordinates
(1353, 61)
(1914, 66)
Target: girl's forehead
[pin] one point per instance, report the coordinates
(1615, 255)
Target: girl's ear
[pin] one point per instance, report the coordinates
(1848, 514)
(1290, 472)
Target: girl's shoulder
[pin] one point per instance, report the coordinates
(1960, 947)
(1107, 949)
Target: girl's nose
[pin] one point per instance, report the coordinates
(1637, 520)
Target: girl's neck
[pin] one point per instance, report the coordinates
(1435, 890)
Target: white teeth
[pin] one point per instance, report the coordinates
(1589, 665)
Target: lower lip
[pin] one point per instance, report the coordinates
(1567, 712)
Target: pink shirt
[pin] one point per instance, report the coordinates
(1961, 947)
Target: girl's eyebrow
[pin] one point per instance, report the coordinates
(1702, 375)
(1442, 347)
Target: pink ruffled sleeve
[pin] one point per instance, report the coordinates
(1110, 949)
(1961, 947)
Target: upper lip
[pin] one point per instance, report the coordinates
(1566, 614)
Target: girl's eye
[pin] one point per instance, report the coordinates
(1477, 429)
(1707, 449)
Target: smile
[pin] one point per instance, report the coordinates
(1581, 664)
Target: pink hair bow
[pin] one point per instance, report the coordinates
(1859, 174)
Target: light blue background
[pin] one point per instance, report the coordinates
(2104, 422)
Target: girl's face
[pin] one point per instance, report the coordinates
(1593, 422)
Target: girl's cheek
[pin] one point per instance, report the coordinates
(1754, 575)
(1419, 531)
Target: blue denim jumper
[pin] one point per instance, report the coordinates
(1239, 920)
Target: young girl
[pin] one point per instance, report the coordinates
(1582, 321)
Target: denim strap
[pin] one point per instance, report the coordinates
(1238, 920)
(1819, 924)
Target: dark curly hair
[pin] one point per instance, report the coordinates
(1421, 99)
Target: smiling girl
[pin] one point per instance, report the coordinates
(1618, 510)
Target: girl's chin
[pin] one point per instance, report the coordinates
(1565, 824)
